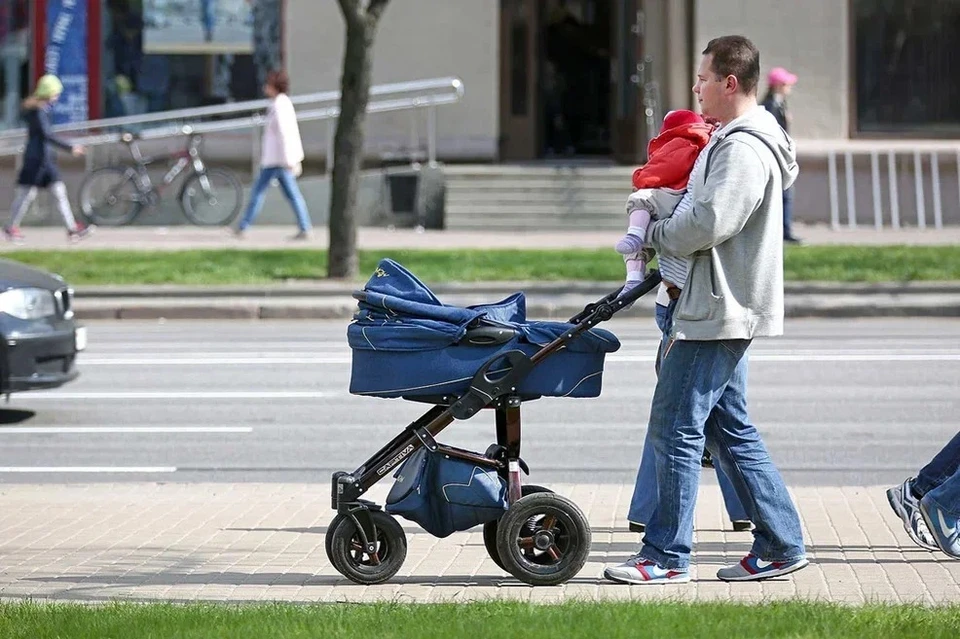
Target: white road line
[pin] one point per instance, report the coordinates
(41, 395)
(786, 356)
(210, 361)
(96, 430)
(88, 469)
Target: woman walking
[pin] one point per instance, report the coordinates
(39, 169)
(280, 158)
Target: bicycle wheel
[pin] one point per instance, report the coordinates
(212, 198)
(110, 197)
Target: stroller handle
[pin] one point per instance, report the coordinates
(604, 308)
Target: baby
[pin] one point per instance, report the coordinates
(660, 184)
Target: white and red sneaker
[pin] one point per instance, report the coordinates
(638, 570)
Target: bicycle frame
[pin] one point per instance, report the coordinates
(190, 155)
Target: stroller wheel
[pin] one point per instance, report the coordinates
(544, 539)
(328, 538)
(490, 528)
(351, 560)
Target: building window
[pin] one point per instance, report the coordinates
(907, 67)
(14, 59)
(160, 55)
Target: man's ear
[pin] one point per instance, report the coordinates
(731, 84)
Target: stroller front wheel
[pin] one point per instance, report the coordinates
(351, 559)
(543, 539)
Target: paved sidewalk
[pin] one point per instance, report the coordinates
(264, 542)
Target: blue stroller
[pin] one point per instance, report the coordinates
(407, 344)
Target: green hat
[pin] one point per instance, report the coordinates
(47, 87)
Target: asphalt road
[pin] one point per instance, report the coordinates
(839, 402)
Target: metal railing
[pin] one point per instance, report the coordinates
(890, 161)
(400, 96)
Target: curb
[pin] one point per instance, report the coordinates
(808, 306)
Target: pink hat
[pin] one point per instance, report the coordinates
(779, 75)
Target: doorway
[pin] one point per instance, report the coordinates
(569, 82)
(575, 78)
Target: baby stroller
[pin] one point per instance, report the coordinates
(407, 344)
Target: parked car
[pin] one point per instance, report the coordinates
(39, 338)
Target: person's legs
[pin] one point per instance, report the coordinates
(788, 216)
(292, 192)
(257, 194)
(941, 510)
(693, 376)
(743, 457)
(21, 204)
(941, 468)
(735, 510)
(644, 498)
(905, 498)
(59, 191)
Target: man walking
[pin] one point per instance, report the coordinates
(732, 294)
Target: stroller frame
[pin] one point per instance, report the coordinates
(356, 551)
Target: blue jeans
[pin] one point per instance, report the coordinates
(645, 489)
(788, 213)
(941, 478)
(290, 190)
(700, 399)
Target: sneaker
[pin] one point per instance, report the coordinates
(742, 525)
(80, 232)
(638, 570)
(13, 234)
(636, 527)
(302, 235)
(752, 568)
(907, 508)
(944, 526)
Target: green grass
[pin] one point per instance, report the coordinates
(226, 266)
(480, 620)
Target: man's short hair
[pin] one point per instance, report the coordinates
(737, 56)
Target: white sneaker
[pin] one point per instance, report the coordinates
(907, 508)
(638, 570)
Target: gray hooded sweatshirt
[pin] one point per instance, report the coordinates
(734, 234)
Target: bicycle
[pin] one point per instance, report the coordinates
(116, 195)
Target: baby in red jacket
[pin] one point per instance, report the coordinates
(660, 183)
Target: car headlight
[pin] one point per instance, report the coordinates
(28, 303)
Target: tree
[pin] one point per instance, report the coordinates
(361, 24)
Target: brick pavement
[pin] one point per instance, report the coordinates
(264, 542)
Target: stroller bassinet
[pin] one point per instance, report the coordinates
(407, 344)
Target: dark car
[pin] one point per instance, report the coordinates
(39, 339)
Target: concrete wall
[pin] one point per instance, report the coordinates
(809, 38)
(418, 39)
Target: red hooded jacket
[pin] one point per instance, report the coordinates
(670, 157)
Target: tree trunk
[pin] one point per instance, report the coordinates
(348, 141)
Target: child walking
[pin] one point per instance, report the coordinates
(39, 169)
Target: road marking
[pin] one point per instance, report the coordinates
(41, 395)
(88, 469)
(774, 356)
(211, 361)
(84, 430)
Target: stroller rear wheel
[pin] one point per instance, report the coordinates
(347, 554)
(490, 528)
(543, 539)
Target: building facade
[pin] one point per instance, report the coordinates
(547, 77)
(543, 78)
